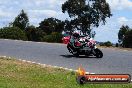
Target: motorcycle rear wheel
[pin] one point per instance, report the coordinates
(71, 50)
(76, 54)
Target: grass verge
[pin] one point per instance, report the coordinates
(18, 74)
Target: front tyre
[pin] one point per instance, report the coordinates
(98, 53)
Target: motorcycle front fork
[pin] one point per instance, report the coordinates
(93, 50)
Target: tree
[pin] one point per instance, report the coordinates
(21, 20)
(34, 34)
(125, 36)
(53, 37)
(50, 25)
(122, 32)
(12, 33)
(93, 34)
(31, 33)
(87, 13)
(107, 44)
(127, 42)
(68, 25)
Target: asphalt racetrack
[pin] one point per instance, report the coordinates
(114, 61)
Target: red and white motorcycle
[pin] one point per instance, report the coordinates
(84, 46)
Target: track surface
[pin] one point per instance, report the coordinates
(114, 61)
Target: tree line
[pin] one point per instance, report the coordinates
(84, 15)
(49, 29)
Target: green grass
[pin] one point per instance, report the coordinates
(18, 74)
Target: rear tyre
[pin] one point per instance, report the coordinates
(72, 50)
(76, 54)
(99, 53)
(68, 47)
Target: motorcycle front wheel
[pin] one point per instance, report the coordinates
(99, 53)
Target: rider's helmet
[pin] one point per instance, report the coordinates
(76, 34)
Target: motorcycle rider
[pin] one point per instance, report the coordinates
(77, 36)
(73, 39)
(83, 45)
